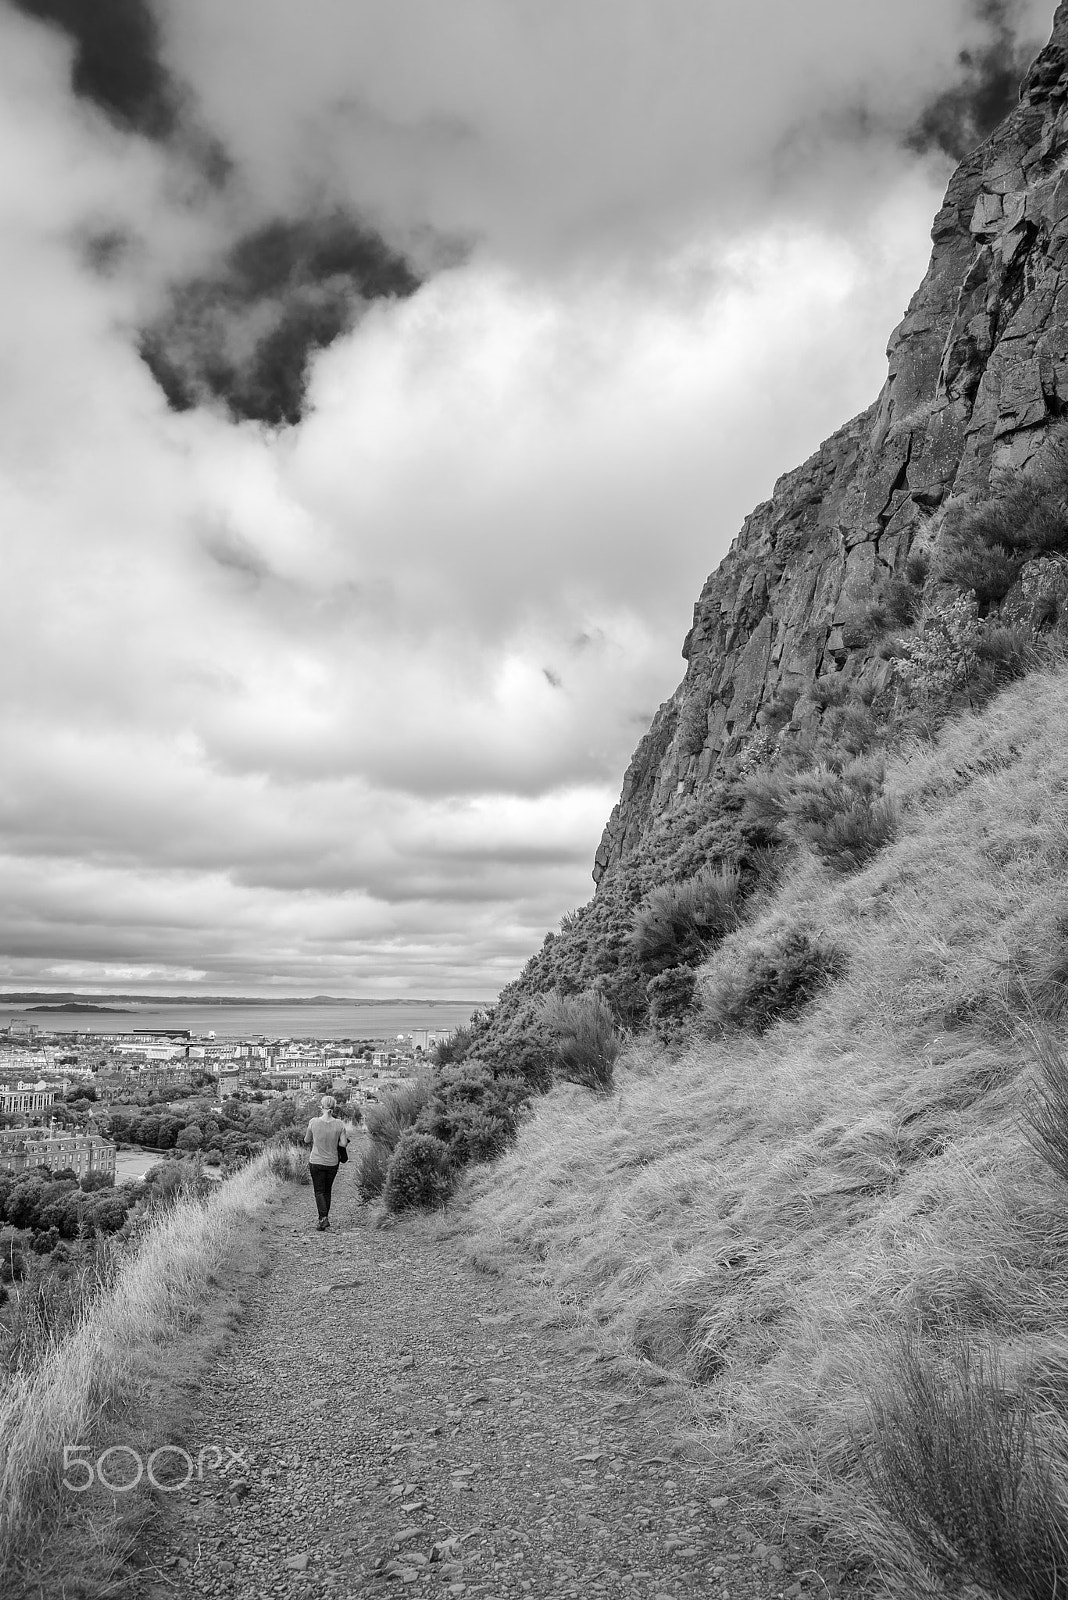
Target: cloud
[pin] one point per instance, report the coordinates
(325, 678)
(541, 133)
(244, 332)
(116, 61)
(960, 117)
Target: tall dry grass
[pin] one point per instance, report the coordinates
(772, 1216)
(88, 1372)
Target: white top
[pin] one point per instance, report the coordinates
(324, 1135)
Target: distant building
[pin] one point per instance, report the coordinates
(26, 1098)
(169, 1050)
(427, 1038)
(23, 1149)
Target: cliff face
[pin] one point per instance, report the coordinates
(978, 369)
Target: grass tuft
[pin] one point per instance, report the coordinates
(587, 1041)
(960, 1463)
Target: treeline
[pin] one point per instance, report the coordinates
(232, 1134)
(52, 1207)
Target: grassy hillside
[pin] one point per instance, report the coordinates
(99, 1365)
(839, 1229)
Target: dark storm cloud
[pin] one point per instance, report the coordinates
(963, 115)
(245, 335)
(117, 63)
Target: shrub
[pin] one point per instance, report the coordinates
(987, 571)
(679, 921)
(51, 1303)
(830, 690)
(841, 815)
(850, 728)
(371, 1166)
(693, 725)
(454, 1048)
(771, 983)
(850, 837)
(170, 1183)
(474, 1112)
(398, 1110)
(904, 599)
(289, 1162)
(777, 711)
(960, 1465)
(941, 658)
(1008, 652)
(420, 1173)
(671, 999)
(766, 795)
(587, 1041)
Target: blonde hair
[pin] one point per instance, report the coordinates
(328, 1102)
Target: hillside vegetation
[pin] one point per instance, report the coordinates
(813, 1222)
(822, 1175)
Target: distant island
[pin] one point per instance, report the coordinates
(80, 1005)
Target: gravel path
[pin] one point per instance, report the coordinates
(409, 1427)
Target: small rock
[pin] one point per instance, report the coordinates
(298, 1563)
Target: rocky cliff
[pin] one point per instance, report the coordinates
(978, 369)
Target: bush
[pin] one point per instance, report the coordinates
(420, 1174)
(960, 1465)
(398, 1110)
(473, 1111)
(841, 815)
(97, 1180)
(903, 600)
(289, 1162)
(852, 836)
(830, 690)
(680, 921)
(987, 571)
(454, 1048)
(1007, 652)
(671, 999)
(768, 984)
(766, 795)
(372, 1164)
(587, 1041)
(941, 658)
(51, 1303)
(171, 1182)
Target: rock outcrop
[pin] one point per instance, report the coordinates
(978, 369)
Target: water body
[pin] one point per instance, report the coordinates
(375, 1020)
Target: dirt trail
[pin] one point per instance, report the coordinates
(407, 1426)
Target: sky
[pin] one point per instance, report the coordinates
(381, 381)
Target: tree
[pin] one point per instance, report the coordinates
(97, 1180)
(190, 1138)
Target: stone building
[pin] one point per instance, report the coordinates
(23, 1149)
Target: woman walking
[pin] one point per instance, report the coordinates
(326, 1135)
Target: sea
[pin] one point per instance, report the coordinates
(275, 1020)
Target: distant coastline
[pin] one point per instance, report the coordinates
(36, 1000)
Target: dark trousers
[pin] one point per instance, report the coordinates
(322, 1182)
